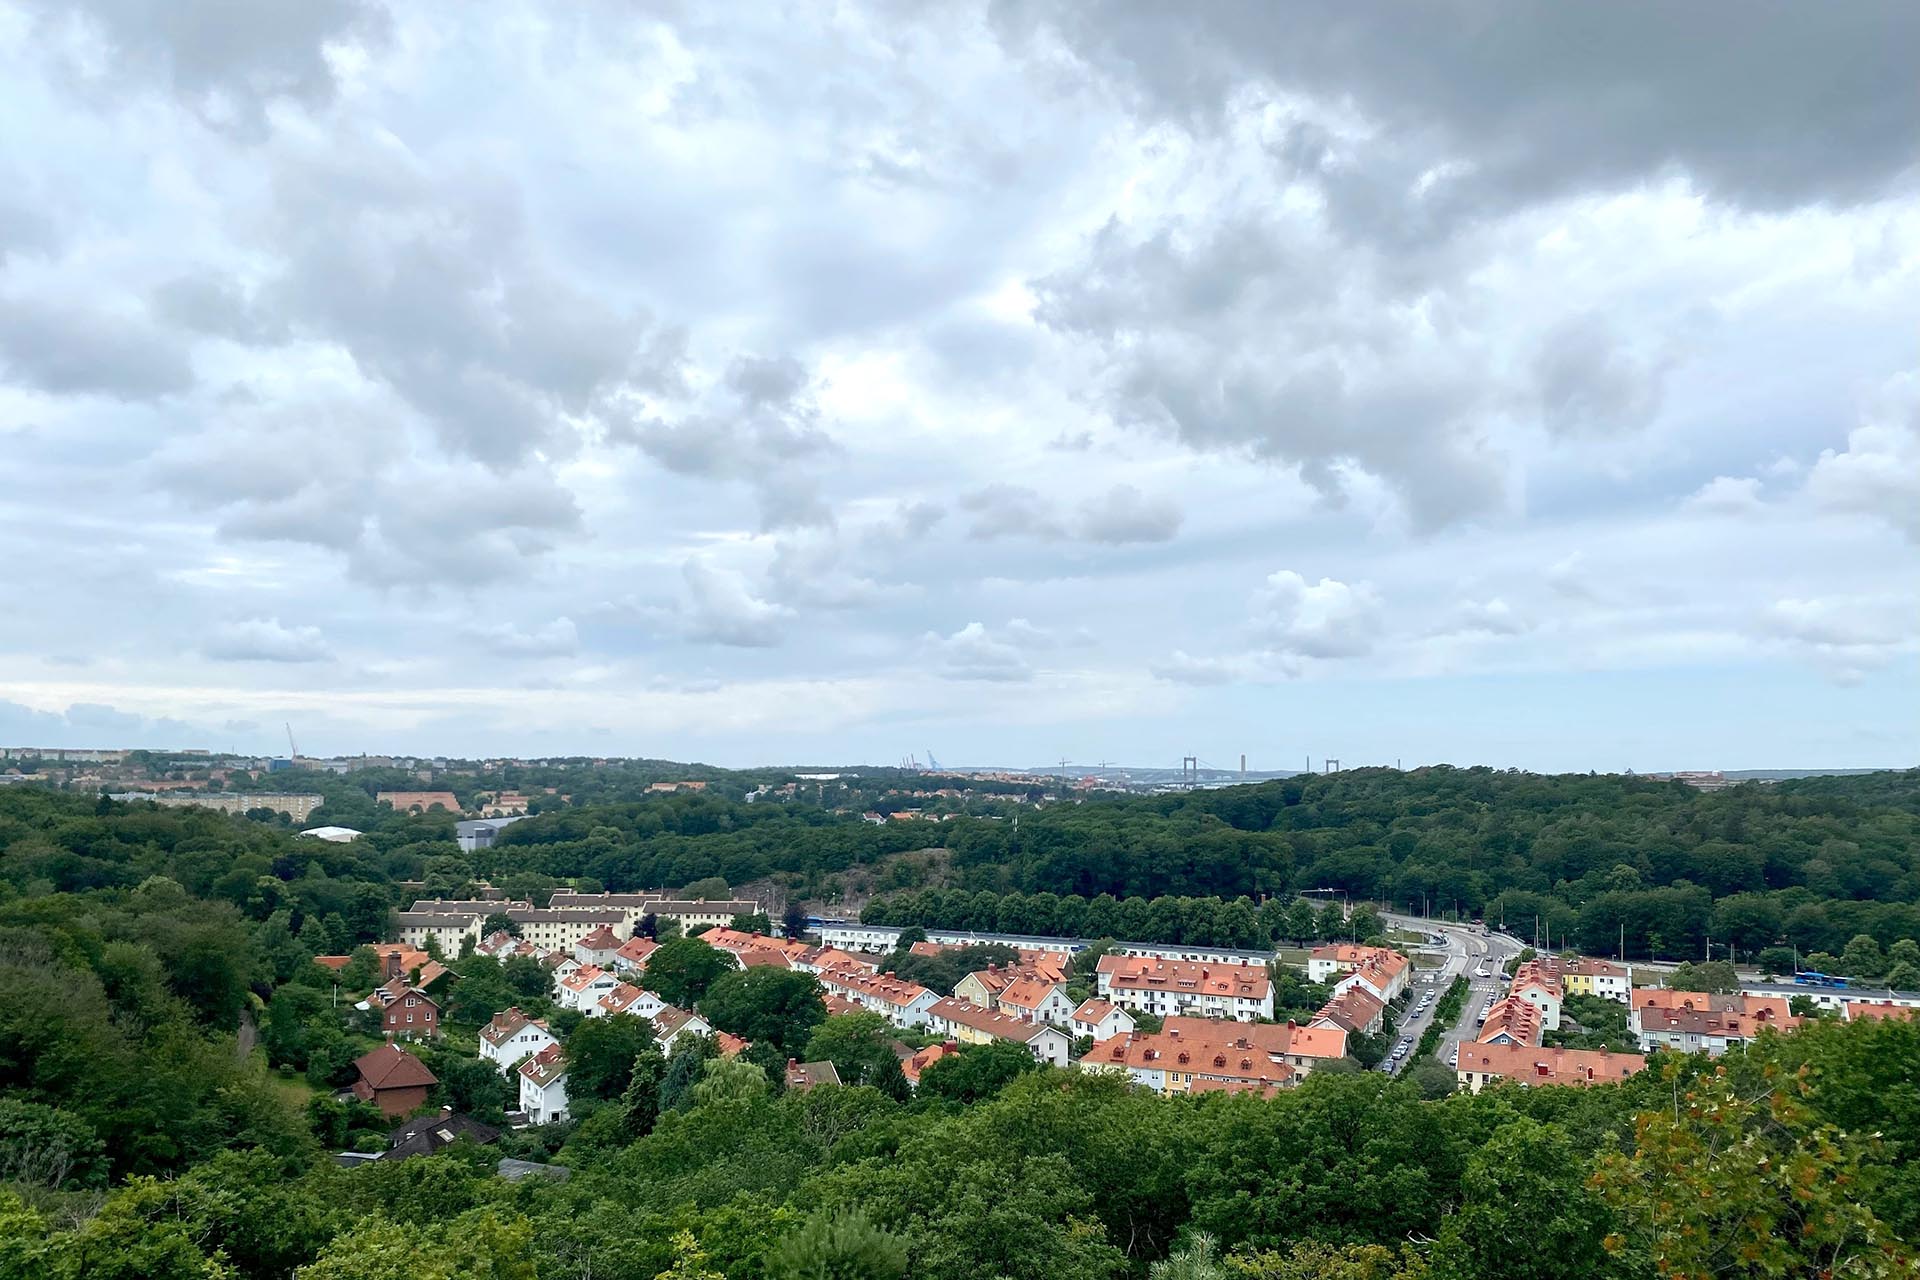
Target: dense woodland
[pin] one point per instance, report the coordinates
(168, 1053)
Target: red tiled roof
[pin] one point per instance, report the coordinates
(391, 1067)
(1150, 973)
(1533, 1065)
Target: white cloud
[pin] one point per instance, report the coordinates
(266, 640)
(1326, 619)
(975, 652)
(1727, 495)
(721, 608)
(1878, 473)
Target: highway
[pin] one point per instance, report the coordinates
(1467, 952)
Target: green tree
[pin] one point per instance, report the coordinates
(601, 1054)
(728, 1079)
(1725, 1183)
(977, 1072)
(1716, 976)
(1527, 1182)
(765, 1004)
(641, 1101)
(843, 1246)
(680, 971)
(859, 1045)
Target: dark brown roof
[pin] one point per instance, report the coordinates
(391, 1067)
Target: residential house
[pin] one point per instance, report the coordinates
(430, 1135)
(627, 998)
(915, 1061)
(1703, 1022)
(1874, 1011)
(406, 1012)
(1355, 1010)
(543, 1086)
(511, 1036)
(1480, 1065)
(807, 1075)
(671, 1022)
(448, 931)
(1382, 971)
(1512, 1021)
(1101, 1019)
(970, 1024)
(1189, 1054)
(1177, 988)
(904, 1004)
(1587, 976)
(583, 988)
(553, 930)
(632, 955)
(1538, 983)
(419, 801)
(1034, 999)
(597, 948)
(393, 1080)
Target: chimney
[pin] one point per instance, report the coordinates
(951, 1046)
(792, 1063)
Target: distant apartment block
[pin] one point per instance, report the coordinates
(298, 808)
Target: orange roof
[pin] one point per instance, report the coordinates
(1251, 1053)
(1515, 1018)
(404, 800)
(837, 1005)
(621, 998)
(600, 939)
(583, 977)
(1002, 1026)
(1353, 1009)
(1028, 993)
(883, 987)
(1534, 973)
(1094, 1010)
(1769, 1008)
(336, 963)
(731, 1046)
(636, 950)
(913, 1064)
(1588, 966)
(1150, 973)
(391, 1067)
(1533, 1065)
(1858, 1009)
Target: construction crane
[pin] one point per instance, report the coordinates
(933, 766)
(291, 746)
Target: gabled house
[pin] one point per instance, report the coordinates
(583, 988)
(968, 1023)
(1538, 983)
(671, 1022)
(627, 998)
(1100, 1019)
(511, 1037)
(1530, 1065)
(543, 1086)
(914, 1061)
(1190, 1055)
(1035, 999)
(902, 1003)
(806, 1075)
(393, 1080)
(1382, 971)
(429, 1135)
(1354, 1010)
(632, 955)
(405, 1012)
(597, 948)
(1176, 988)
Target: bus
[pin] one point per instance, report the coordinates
(1809, 978)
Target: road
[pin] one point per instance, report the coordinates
(1467, 952)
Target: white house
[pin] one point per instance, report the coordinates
(968, 1023)
(1100, 1019)
(904, 1004)
(512, 1036)
(448, 931)
(1037, 1000)
(543, 1086)
(670, 1023)
(583, 988)
(627, 998)
(1175, 988)
(597, 948)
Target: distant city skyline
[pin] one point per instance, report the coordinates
(1101, 381)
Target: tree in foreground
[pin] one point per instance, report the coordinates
(1721, 1184)
(601, 1054)
(977, 1072)
(842, 1246)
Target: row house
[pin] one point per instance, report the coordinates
(634, 906)
(1531, 1066)
(552, 930)
(1703, 1022)
(1355, 1011)
(967, 1023)
(1019, 991)
(1051, 965)
(1512, 1021)
(1587, 976)
(1100, 1019)
(1538, 983)
(1200, 1054)
(902, 1003)
(449, 931)
(1878, 1011)
(543, 1086)
(1383, 972)
(1176, 988)
(512, 1036)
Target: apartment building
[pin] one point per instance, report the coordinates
(1532, 1066)
(1177, 988)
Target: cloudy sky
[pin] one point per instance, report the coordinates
(1099, 381)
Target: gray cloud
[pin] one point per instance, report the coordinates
(226, 61)
(721, 607)
(1009, 511)
(67, 347)
(1120, 514)
(1124, 514)
(1591, 382)
(266, 640)
(1526, 106)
